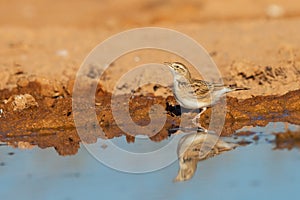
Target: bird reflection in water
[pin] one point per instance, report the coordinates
(195, 147)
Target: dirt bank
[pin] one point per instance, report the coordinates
(46, 119)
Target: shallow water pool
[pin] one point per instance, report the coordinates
(248, 172)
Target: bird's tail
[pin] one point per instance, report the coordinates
(235, 88)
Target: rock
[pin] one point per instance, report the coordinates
(62, 53)
(25, 145)
(21, 102)
(1, 113)
(275, 11)
(50, 88)
(22, 82)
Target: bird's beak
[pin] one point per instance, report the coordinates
(168, 64)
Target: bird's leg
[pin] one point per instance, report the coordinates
(197, 117)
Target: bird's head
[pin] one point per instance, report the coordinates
(178, 69)
(187, 169)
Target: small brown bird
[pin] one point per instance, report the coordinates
(196, 147)
(193, 93)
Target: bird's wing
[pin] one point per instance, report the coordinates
(201, 88)
(211, 85)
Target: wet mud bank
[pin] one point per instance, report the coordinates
(35, 113)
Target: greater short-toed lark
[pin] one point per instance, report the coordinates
(195, 147)
(193, 93)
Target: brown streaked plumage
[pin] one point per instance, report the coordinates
(196, 147)
(193, 93)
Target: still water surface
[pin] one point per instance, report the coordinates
(250, 172)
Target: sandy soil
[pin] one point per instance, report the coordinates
(43, 45)
(257, 46)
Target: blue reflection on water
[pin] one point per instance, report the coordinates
(254, 171)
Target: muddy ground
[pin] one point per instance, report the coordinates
(35, 119)
(43, 45)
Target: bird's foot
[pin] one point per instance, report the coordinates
(202, 128)
(194, 121)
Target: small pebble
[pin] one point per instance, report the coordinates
(274, 11)
(255, 138)
(62, 53)
(137, 59)
(22, 82)
(21, 102)
(104, 146)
